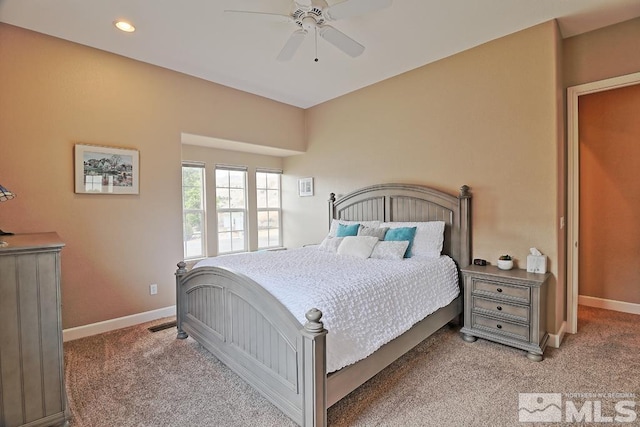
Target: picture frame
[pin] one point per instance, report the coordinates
(106, 170)
(305, 187)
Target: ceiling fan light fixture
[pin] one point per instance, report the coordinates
(125, 26)
(309, 23)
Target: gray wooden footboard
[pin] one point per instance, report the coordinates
(257, 337)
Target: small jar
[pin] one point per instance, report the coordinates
(505, 264)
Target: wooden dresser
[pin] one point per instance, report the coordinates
(506, 306)
(32, 390)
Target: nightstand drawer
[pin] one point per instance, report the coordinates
(501, 290)
(501, 308)
(501, 327)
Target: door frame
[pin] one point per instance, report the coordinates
(573, 183)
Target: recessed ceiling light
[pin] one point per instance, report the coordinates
(124, 26)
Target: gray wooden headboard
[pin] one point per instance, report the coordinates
(407, 202)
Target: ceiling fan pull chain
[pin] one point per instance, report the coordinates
(316, 40)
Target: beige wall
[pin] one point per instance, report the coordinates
(54, 94)
(489, 117)
(210, 157)
(608, 52)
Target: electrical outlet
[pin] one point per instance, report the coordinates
(153, 289)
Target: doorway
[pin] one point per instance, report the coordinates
(573, 187)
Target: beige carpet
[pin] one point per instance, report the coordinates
(133, 377)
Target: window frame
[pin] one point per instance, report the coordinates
(277, 172)
(244, 210)
(202, 211)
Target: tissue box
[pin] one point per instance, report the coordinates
(537, 264)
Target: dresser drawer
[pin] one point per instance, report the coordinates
(501, 327)
(501, 308)
(501, 290)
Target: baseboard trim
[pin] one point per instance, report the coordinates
(556, 339)
(119, 323)
(135, 319)
(609, 304)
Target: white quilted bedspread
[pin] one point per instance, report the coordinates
(365, 302)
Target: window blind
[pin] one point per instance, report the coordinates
(232, 167)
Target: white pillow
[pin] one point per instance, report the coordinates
(378, 232)
(357, 246)
(334, 225)
(390, 249)
(429, 237)
(330, 244)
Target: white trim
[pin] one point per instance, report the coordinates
(119, 323)
(573, 182)
(556, 339)
(609, 304)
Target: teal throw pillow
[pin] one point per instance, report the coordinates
(402, 234)
(347, 230)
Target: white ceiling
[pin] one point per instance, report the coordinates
(196, 37)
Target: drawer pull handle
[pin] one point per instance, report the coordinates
(499, 326)
(499, 289)
(499, 308)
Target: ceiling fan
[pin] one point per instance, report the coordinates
(313, 15)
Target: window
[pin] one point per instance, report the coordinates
(269, 210)
(193, 212)
(231, 207)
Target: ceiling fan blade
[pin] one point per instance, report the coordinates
(341, 40)
(291, 46)
(305, 3)
(351, 8)
(278, 17)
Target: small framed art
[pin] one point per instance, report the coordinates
(106, 170)
(305, 187)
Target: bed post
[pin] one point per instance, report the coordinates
(314, 412)
(180, 272)
(332, 208)
(464, 199)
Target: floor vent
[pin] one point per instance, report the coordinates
(163, 326)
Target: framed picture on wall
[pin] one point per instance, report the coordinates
(305, 187)
(106, 170)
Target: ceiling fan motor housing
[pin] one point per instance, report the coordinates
(308, 19)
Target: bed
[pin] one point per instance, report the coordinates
(284, 358)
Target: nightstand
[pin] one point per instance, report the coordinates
(506, 306)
